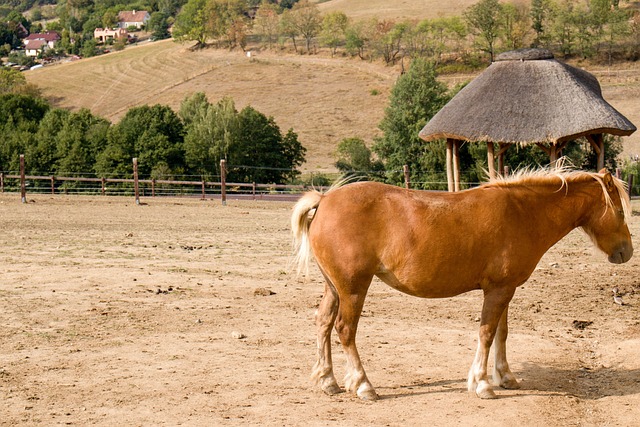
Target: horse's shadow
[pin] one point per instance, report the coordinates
(583, 383)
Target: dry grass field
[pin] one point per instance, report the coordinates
(185, 312)
(401, 9)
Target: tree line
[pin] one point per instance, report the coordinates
(167, 144)
(605, 30)
(571, 28)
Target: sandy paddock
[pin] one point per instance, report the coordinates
(185, 312)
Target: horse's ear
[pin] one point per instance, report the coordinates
(608, 180)
(603, 171)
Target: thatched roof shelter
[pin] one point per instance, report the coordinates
(527, 97)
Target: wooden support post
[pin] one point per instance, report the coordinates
(600, 142)
(448, 162)
(456, 165)
(630, 184)
(53, 184)
(153, 187)
(1, 182)
(405, 170)
(503, 149)
(491, 159)
(23, 184)
(136, 188)
(618, 173)
(223, 181)
(597, 143)
(203, 189)
(553, 156)
(103, 182)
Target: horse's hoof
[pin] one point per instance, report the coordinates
(368, 394)
(332, 389)
(510, 384)
(485, 392)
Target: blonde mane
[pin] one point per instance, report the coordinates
(565, 176)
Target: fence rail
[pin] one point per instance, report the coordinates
(150, 187)
(164, 187)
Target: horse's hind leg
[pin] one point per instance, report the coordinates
(325, 318)
(350, 308)
(502, 375)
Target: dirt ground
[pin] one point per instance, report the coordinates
(117, 314)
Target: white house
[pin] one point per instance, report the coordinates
(133, 18)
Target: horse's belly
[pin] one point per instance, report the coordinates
(426, 287)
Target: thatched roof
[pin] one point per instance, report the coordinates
(525, 97)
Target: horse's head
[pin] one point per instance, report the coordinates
(607, 223)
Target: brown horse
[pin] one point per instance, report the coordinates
(437, 245)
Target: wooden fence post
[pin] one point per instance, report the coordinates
(53, 184)
(103, 183)
(23, 184)
(203, 188)
(153, 187)
(1, 182)
(136, 188)
(223, 181)
(405, 170)
(630, 184)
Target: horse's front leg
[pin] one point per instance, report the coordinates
(496, 301)
(502, 375)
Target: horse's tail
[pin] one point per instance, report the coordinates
(301, 218)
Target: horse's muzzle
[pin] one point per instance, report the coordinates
(622, 254)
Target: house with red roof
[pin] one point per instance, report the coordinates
(36, 43)
(133, 18)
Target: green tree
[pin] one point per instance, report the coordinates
(515, 24)
(19, 118)
(226, 21)
(288, 27)
(483, 19)
(355, 159)
(334, 25)
(68, 143)
(356, 39)
(153, 134)
(89, 48)
(415, 98)
(211, 131)
(261, 153)
(307, 20)
(267, 22)
(109, 19)
(191, 23)
(158, 25)
(540, 11)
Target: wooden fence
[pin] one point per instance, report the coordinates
(150, 187)
(221, 188)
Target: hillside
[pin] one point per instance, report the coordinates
(324, 100)
(418, 9)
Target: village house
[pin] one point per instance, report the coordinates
(36, 43)
(105, 34)
(133, 18)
